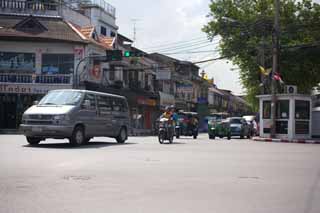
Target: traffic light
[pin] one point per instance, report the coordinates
(129, 54)
(114, 55)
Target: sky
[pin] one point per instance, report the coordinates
(169, 26)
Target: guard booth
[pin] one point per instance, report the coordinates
(293, 116)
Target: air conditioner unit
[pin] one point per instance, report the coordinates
(290, 89)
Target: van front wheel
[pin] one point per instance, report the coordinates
(78, 136)
(33, 140)
(122, 137)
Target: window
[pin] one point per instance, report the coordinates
(103, 31)
(267, 110)
(57, 63)
(302, 111)
(112, 75)
(92, 99)
(105, 105)
(302, 127)
(282, 127)
(117, 106)
(61, 97)
(282, 111)
(17, 61)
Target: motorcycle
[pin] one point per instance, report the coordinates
(165, 130)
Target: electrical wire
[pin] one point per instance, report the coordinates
(166, 44)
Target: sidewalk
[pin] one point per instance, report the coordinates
(308, 141)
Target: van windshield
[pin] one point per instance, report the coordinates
(61, 98)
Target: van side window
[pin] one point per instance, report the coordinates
(92, 100)
(116, 104)
(124, 106)
(104, 104)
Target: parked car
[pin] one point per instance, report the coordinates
(78, 115)
(187, 124)
(239, 127)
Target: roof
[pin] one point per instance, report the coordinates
(86, 33)
(39, 28)
(212, 89)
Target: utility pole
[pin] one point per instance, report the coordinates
(275, 67)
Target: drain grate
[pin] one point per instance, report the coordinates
(76, 178)
(245, 177)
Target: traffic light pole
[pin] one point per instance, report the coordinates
(275, 67)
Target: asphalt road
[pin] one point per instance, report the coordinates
(143, 176)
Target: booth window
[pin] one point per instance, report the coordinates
(57, 63)
(282, 127)
(267, 110)
(302, 110)
(282, 109)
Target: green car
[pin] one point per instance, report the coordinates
(218, 126)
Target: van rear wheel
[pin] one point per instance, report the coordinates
(122, 137)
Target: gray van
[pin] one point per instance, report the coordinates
(78, 115)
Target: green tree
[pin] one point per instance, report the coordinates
(246, 28)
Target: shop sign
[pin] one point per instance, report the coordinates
(166, 99)
(202, 100)
(184, 88)
(146, 101)
(163, 75)
(30, 89)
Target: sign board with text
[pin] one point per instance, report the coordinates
(30, 88)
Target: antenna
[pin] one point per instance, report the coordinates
(134, 20)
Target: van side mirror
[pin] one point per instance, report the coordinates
(86, 104)
(35, 103)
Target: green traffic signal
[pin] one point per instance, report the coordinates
(127, 54)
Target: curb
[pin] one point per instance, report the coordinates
(302, 141)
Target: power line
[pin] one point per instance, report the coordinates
(188, 50)
(191, 52)
(212, 59)
(180, 46)
(165, 44)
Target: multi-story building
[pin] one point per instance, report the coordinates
(37, 54)
(41, 51)
(99, 13)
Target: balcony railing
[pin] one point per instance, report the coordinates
(29, 7)
(102, 4)
(38, 79)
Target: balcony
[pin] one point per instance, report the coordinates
(29, 7)
(102, 4)
(35, 79)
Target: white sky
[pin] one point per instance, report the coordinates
(165, 22)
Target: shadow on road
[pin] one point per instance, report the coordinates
(90, 145)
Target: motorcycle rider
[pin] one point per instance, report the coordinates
(168, 115)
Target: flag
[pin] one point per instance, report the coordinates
(265, 71)
(277, 77)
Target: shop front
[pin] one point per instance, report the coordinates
(16, 98)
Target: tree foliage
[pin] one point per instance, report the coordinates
(246, 28)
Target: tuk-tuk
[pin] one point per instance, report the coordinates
(218, 126)
(187, 124)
